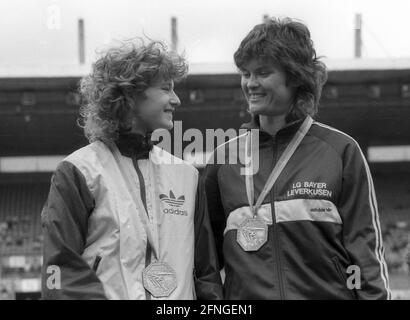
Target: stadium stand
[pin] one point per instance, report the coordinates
(20, 220)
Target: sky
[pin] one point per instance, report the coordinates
(42, 34)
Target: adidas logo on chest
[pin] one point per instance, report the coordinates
(173, 204)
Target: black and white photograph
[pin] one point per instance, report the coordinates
(204, 150)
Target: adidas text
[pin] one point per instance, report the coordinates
(176, 212)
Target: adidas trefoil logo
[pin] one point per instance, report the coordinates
(173, 202)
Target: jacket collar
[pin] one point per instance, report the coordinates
(134, 145)
(266, 138)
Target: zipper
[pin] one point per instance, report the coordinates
(96, 263)
(277, 249)
(342, 276)
(147, 263)
(143, 194)
(276, 244)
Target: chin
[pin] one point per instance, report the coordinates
(168, 125)
(256, 110)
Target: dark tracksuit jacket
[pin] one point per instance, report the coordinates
(322, 220)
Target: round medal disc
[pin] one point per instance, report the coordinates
(252, 234)
(159, 279)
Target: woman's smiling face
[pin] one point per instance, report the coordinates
(265, 88)
(155, 110)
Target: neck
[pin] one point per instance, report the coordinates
(272, 124)
(138, 131)
(138, 127)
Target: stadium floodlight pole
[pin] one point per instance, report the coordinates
(358, 36)
(174, 34)
(81, 41)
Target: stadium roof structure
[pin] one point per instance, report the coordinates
(332, 65)
(75, 70)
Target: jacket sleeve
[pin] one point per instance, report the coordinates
(208, 284)
(361, 226)
(209, 181)
(65, 274)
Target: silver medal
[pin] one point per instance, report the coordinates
(252, 234)
(159, 279)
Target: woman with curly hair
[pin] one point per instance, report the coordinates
(124, 219)
(305, 224)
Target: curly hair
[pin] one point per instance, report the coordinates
(121, 74)
(288, 43)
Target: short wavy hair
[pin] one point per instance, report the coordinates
(288, 43)
(119, 75)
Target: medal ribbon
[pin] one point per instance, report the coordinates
(280, 165)
(126, 174)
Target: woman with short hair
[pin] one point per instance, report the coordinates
(302, 222)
